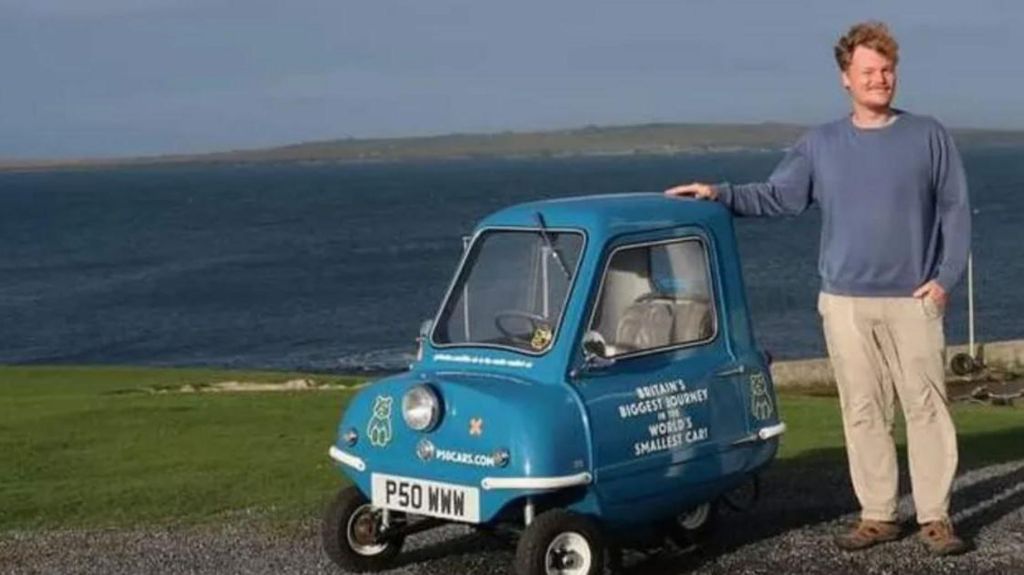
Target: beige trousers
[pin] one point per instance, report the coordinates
(881, 348)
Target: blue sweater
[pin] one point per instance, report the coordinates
(894, 204)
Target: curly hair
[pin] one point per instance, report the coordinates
(872, 34)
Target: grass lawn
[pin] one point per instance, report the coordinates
(90, 446)
(986, 434)
(95, 447)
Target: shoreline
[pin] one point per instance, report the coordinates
(1002, 360)
(655, 139)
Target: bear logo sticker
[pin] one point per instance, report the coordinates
(379, 428)
(760, 402)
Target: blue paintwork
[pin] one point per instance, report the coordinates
(517, 414)
(558, 420)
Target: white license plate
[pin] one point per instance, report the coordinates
(422, 497)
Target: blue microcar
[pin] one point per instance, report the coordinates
(591, 375)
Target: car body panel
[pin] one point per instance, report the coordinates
(541, 426)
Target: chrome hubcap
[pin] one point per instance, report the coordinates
(696, 518)
(568, 554)
(363, 532)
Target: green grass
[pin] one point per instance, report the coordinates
(986, 434)
(90, 446)
(94, 447)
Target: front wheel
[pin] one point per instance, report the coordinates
(559, 542)
(352, 534)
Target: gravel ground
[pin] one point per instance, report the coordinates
(789, 531)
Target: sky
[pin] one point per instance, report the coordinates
(101, 78)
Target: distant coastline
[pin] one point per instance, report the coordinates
(646, 139)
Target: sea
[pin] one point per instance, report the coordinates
(331, 267)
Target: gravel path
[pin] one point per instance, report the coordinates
(789, 531)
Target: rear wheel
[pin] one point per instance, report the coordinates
(560, 542)
(693, 526)
(353, 534)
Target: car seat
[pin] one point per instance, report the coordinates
(656, 320)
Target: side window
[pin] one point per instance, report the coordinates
(655, 296)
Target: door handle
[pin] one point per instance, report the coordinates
(739, 370)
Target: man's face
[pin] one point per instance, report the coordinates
(870, 79)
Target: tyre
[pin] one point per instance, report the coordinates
(560, 542)
(744, 496)
(694, 526)
(963, 364)
(351, 534)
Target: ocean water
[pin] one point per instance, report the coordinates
(332, 267)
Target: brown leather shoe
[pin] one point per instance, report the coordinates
(867, 533)
(939, 538)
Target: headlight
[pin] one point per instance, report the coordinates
(421, 408)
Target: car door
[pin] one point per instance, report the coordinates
(663, 405)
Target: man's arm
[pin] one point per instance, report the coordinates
(953, 210)
(788, 191)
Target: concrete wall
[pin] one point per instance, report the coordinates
(1006, 356)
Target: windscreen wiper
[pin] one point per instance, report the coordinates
(547, 241)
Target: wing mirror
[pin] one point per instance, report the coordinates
(594, 345)
(595, 352)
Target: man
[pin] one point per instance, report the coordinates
(894, 241)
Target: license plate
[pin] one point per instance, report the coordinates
(422, 497)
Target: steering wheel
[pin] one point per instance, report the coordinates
(536, 322)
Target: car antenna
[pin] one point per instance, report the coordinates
(547, 241)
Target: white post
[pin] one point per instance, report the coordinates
(970, 303)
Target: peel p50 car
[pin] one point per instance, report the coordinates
(590, 375)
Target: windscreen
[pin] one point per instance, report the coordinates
(512, 290)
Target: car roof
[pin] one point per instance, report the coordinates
(609, 215)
